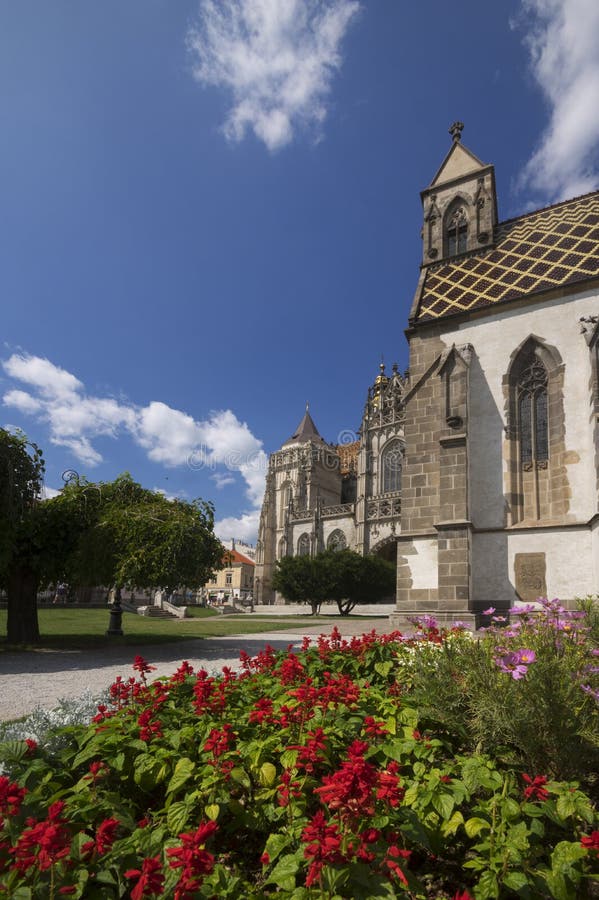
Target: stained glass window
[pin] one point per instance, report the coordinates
(391, 461)
(532, 413)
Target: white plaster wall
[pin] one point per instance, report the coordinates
(423, 563)
(494, 338)
(569, 571)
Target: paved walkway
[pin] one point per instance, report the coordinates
(33, 678)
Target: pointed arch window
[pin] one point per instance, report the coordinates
(456, 232)
(532, 414)
(303, 545)
(336, 540)
(282, 548)
(391, 466)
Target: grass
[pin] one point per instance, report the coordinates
(69, 628)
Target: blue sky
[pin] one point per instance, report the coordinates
(211, 211)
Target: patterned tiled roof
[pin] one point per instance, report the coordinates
(550, 248)
(348, 457)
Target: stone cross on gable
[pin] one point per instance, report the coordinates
(456, 131)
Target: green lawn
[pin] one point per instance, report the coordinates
(70, 628)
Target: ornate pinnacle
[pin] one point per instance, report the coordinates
(456, 131)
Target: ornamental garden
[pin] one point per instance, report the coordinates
(430, 766)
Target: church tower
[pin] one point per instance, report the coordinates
(303, 477)
(460, 204)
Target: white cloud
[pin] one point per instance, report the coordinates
(244, 528)
(221, 480)
(49, 492)
(563, 42)
(275, 57)
(170, 436)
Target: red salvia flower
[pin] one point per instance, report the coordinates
(324, 846)
(535, 789)
(43, 843)
(11, 796)
(192, 857)
(590, 841)
(349, 790)
(374, 728)
(388, 785)
(104, 839)
(150, 880)
(393, 854)
(142, 666)
(31, 746)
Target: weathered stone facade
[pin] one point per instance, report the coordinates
(496, 423)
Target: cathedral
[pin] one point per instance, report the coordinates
(476, 471)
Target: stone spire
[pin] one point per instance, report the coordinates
(305, 431)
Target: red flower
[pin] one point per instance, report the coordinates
(389, 787)
(142, 666)
(262, 711)
(11, 796)
(31, 746)
(105, 838)
(535, 789)
(590, 841)
(265, 859)
(43, 843)
(324, 846)
(393, 854)
(374, 728)
(310, 754)
(192, 858)
(150, 879)
(349, 790)
(219, 741)
(462, 895)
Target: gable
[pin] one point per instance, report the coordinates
(550, 248)
(458, 162)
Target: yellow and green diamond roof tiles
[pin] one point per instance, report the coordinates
(547, 249)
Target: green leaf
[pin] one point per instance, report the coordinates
(240, 776)
(453, 824)
(515, 881)
(177, 816)
(212, 811)
(475, 825)
(566, 806)
(268, 774)
(444, 804)
(565, 854)
(275, 844)
(510, 809)
(183, 772)
(289, 758)
(383, 668)
(487, 887)
(283, 874)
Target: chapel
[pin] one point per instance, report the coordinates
(476, 471)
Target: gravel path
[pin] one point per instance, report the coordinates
(43, 677)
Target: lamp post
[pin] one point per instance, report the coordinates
(116, 616)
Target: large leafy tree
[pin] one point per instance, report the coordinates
(344, 577)
(115, 533)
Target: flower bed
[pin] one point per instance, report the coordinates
(317, 773)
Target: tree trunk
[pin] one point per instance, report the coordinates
(345, 607)
(21, 590)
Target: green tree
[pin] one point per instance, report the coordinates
(113, 533)
(304, 579)
(360, 579)
(343, 577)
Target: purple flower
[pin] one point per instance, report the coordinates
(499, 619)
(489, 611)
(523, 610)
(590, 691)
(515, 663)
